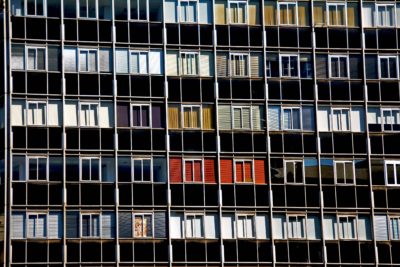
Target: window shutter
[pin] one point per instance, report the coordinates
(17, 57)
(222, 65)
(69, 58)
(259, 169)
(121, 60)
(176, 229)
(308, 118)
(211, 223)
(323, 119)
(257, 113)
(381, 227)
(105, 60)
(55, 225)
(262, 226)
(239, 172)
(322, 66)
(357, 119)
(209, 171)
(125, 224)
(219, 9)
(123, 115)
(108, 225)
(72, 224)
(170, 11)
(207, 117)
(173, 117)
(54, 58)
(363, 228)
(330, 227)
(228, 226)
(106, 115)
(246, 117)
(226, 171)
(159, 225)
(206, 64)
(175, 170)
(71, 113)
(274, 118)
(156, 118)
(18, 225)
(372, 70)
(172, 63)
(205, 11)
(278, 226)
(188, 171)
(254, 12)
(225, 118)
(54, 111)
(368, 14)
(255, 65)
(313, 227)
(156, 62)
(17, 113)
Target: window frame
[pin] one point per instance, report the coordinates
(243, 161)
(37, 103)
(335, 172)
(130, 11)
(246, 11)
(303, 223)
(233, 107)
(88, 51)
(141, 159)
(183, 56)
(391, 218)
(388, 57)
(44, 2)
(376, 15)
(200, 122)
(232, 59)
(196, 11)
(35, 48)
(338, 57)
(193, 160)
(143, 215)
(45, 226)
(78, 10)
(149, 115)
(291, 120)
(340, 233)
(91, 227)
(97, 113)
(290, 67)
(27, 169)
(293, 161)
(341, 109)
(90, 169)
(382, 118)
(396, 175)
(139, 53)
(287, 4)
(254, 224)
(202, 230)
(336, 5)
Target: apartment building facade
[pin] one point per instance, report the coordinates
(200, 133)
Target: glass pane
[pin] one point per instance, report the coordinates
(397, 180)
(143, 9)
(241, 226)
(292, 227)
(345, 123)
(95, 225)
(137, 170)
(93, 115)
(145, 116)
(392, 68)
(82, 9)
(296, 119)
(134, 10)
(83, 65)
(186, 117)
(85, 169)
(334, 67)
(343, 67)
(249, 227)
(290, 172)
(287, 119)
(95, 170)
(135, 115)
(381, 15)
(198, 226)
(340, 15)
(390, 15)
(293, 66)
(189, 226)
(40, 114)
(138, 227)
(39, 8)
(32, 59)
(148, 231)
(41, 59)
(42, 169)
(195, 117)
(31, 113)
(299, 172)
(340, 173)
(92, 61)
(92, 8)
(349, 172)
(85, 225)
(285, 66)
(30, 7)
(384, 68)
(146, 170)
(33, 174)
(390, 174)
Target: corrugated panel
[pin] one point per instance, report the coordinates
(170, 14)
(121, 60)
(308, 118)
(125, 224)
(172, 63)
(17, 113)
(381, 227)
(364, 228)
(323, 119)
(108, 225)
(54, 58)
(209, 171)
(262, 226)
(175, 170)
(274, 121)
(69, 58)
(222, 65)
(257, 114)
(105, 60)
(71, 113)
(156, 62)
(18, 225)
(372, 71)
(55, 225)
(228, 226)
(357, 119)
(205, 11)
(17, 57)
(226, 175)
(211, 223)
(206, 64)
(322, 66)
(72, 224)
(313, 227)
(259, 169)
(175, 225)
(54, 111)
(255, 65)
(106, 115)
(278, 226)
(330, 227)
(224, 117)
(160, 225)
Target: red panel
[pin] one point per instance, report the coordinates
(188, 171)
(239, 172)
(209, 171)
(259, 169)
(197, 171)
(175, 170)
(248, 176)
(226, 171)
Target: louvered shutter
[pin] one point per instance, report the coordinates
(222, 65)
(121, 60)
(197, 171)
(209, 171)
(54, 58)
(239, 172)
(259, 169)
(18, 225)
(172, 63)
(175, 170)
(188, 171)
(274, 118)
(206, 64)
(125, 224)
(72, 224)
(322, 66)
(226, 174)
(308, 118)
(17, 57)
(55, 225)
(256, 65)
(160, 225)
(108, 225)
(257, 114)
(69, 58)
(224, 117)
(105, 60)
(156, 62)
(381, 227)
(246, 118)
(363, 228)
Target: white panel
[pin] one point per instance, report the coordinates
(121, 60)
(368, 15)
(54, 229)
(17, 225)
(227, 226)
(373, 115)
(206, 64)
(262, 227)
(323, 119)
(313, 227)
(172, 63)
(156, 62)
(17, 57)
(70, 59)
(364, 228)
(330, 227)
(205, 11)
(357, 120)
(170, 11)
(71, 113)
(224, 117)
(106, 115)
(381, 227)
(105, 60)
(54, 111)
(17, 113)
(211, 226)
(175, 226)
(278, 227)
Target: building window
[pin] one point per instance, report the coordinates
(194, 226)
(37, 168)
(36, 113)
(289, 65)
(391, 119)
(89, 114)
(141, 170)
(344, 172)
(385, 15)
(37, 225)
(387, 67)
(296, 227)
(87, 60)
(245, 226)
(193, 171)
(139, 62)
(238, 12)
(87, 9)
(291, 118)
(241, 118)
(35, 8)
(143, 225)
(243, 171)
(138, 9)
(36, 58)
(395, 228)
(338, 66)
(90, 225)
(347, 227)
(391, 170)
(287, 13)
(188, 10)
(294, 171)
(340, 119)
(189, 63)
(140, 116)
(336, 14)
(191, 117)
(239, 65)
(90, 169)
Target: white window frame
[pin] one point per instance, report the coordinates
(81, 159)
(299, 219)
(141, 108)
(289, 56)
(339, 57)
(396, 175)
(391, 218)
(388, 67)
(237, 3)
(130, 10)
(91, 226)
(243, 161)
(376, 15)
(88, 51)
(188, 57)
(35, 48)
(335, 172)
(246, 235)
(340, 121)
(291, 118)
(336, 5)
(340, 232)
(391, 110)
(35, 15)
(142, 215)
(45, 226)
(139, 53)
(78, 10)
(90, 123)
(241, 117)
(196, 11)
(133, 170)
(239, 56)
(293, 161)
(200, 123)
(287, 4)
(202, 230)
(37, 158)
(35, 111)
(201, 170)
